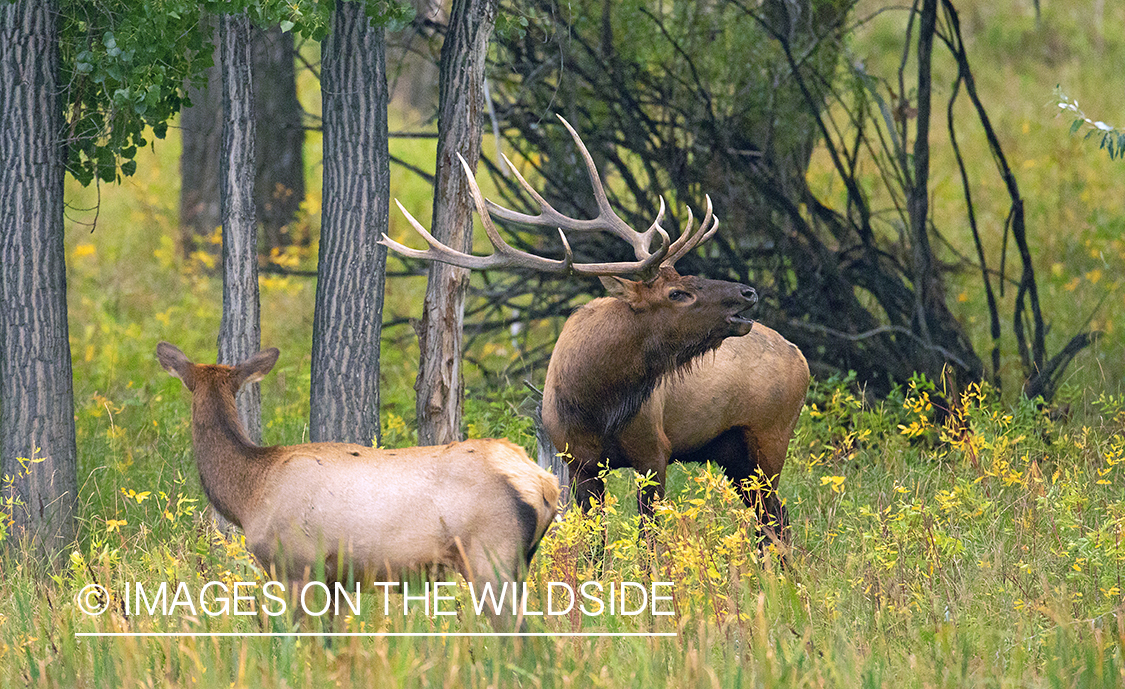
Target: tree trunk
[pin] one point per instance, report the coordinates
(917, 203)
(344, 401)
(36, 387)
(279, 186)
(240, 332)
(201, 130)
(460, 114)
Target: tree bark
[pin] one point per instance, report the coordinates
(36, 386)
(240, 332)
(347, 322)
(460, 114)
(279, 186)
(917, 204)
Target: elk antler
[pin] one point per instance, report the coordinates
(506, 256)
(607, 220)
(690, 239)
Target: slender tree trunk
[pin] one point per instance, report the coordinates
(240, 332)
(349, 294)
(927, 287)
(279, 185)
(36, 387)
(460, 116)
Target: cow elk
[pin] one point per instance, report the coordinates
(479, 506)
(667, 367)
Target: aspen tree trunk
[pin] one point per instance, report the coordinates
(348, 320)
(36, 386)
(240, 333)
(461, 110)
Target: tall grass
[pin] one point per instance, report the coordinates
(986, 550)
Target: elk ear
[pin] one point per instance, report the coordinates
(619, 287)
(174, 362)
(256, 367)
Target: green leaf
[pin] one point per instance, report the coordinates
(81, 173)
(128, 168)
(286, 26)
(107, 173)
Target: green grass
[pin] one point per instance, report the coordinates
(985, 550)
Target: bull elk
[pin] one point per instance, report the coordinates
(667, 367)
(478, 506)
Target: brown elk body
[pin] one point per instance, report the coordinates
(663, 369)
(734, 401)
(479, 506)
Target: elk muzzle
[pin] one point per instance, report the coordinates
(739, 319)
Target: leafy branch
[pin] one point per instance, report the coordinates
(1113, 138)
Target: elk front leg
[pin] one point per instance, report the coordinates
(586, 484)
(648, 450)
(651, 491)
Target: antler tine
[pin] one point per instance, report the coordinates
(546, 211)
(620, 268)
(685, 236)
(706, 236)
(437, 250)
(607, 220)
(689, 239)
(504, 256)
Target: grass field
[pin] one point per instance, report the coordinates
(984, 551)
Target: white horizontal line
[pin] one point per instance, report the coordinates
(376, 634)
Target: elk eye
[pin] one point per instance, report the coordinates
(678, 295)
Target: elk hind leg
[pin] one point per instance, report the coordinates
(747, 464)
(770, 451)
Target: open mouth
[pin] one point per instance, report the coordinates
(741, 317)
(741, 322)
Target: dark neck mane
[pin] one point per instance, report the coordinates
(605, 383)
